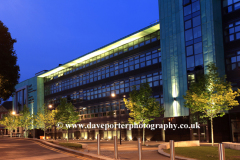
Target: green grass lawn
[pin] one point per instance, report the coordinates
(71, 145)
(205, 153)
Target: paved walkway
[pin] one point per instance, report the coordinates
(20, 149)
(127, 150)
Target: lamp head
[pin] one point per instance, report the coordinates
(113, 95)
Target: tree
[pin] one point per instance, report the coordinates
(26, 119)
(143, 107)
(44, 119)
(9, 70)
(211, 95)
(66, 114)
(10, 122)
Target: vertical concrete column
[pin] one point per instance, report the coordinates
(221, 151)
(98, 144)
(163, 132)
(115, 147)
(172, 150)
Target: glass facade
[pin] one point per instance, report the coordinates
(19, 98)
(107, 55)
(193, 37)
(230, 6)
(117, 87)
(233, 60)
(109, 70)
(232, 31)
(90, 90)
(109, 108)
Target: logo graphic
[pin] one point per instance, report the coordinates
(59, 125)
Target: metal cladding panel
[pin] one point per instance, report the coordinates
(173, 49)
(35, 92)
(173, 57)
(40, 93)
(212, 36)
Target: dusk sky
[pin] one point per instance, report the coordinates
(52, 32)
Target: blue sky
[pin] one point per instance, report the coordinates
(52, 32)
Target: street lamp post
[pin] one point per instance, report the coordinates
(13, 113)
(82, 109)
(50, 106)
(113, 95)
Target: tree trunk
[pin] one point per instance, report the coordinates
(25, 133)
(11, 134)
(67, 134)
(44, 133)
(143, 135)
(212, 131)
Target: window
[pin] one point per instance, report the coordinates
(187, 10)
(197, 32)
(193, 31)
(191, 78)
(233, 60)
(186, 2)
(198, 48)
(230, 5)
(236, 6)
(188, 24)
(232, 31)
(195, 6)
(188, 35)
(196, 21)
(190, 62)
(143, 64)
(189, 50)
(198, 60)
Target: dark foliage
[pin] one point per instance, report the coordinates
(9, 70)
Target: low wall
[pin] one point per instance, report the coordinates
(177, 144)
(231, 145)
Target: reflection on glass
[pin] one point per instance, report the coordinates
(189, 50)
(188, 24)
(187, 10)
(195, 6)
(190, 62)
(196, 21)
(197, 32)
(198, 48)
(198, 60)
(188, 35)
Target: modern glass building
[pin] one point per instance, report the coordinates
(193, 33)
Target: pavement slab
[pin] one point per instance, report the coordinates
(20, 149)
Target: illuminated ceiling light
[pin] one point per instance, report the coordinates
(113, 95)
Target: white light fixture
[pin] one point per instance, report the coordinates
(113, 95)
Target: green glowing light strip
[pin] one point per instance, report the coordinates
(125, 40)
